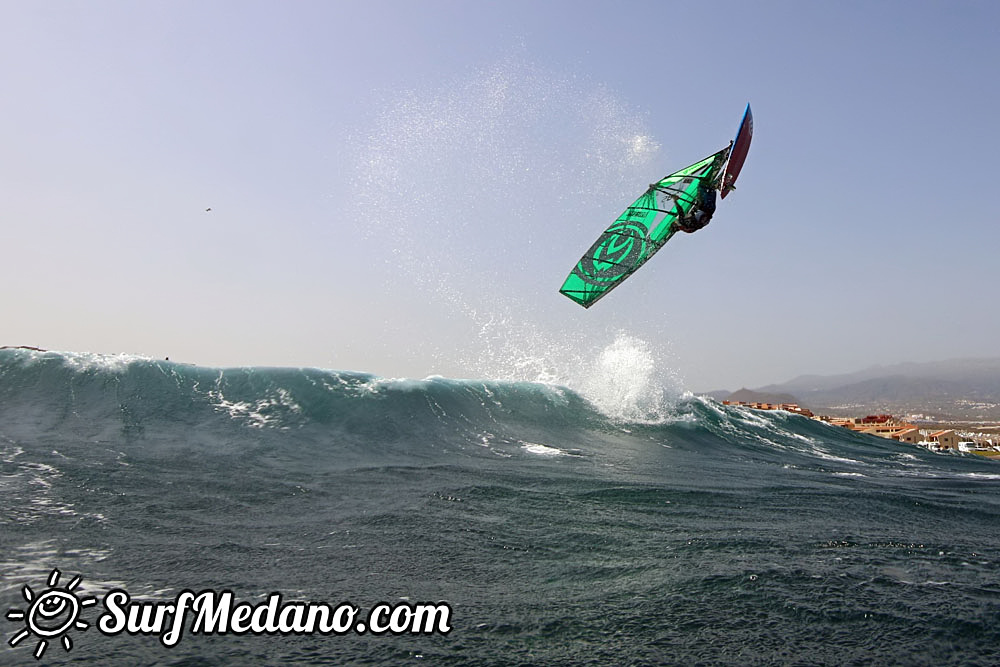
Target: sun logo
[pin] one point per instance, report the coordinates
(51, 615)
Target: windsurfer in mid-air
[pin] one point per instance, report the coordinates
(683, 200)
(701, 211)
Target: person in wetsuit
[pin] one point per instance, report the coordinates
(701, 212)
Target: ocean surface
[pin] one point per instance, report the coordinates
(555, 532)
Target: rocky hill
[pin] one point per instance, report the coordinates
(967, 389)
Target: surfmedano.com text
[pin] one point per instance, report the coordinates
(218, 613)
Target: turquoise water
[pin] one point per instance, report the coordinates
(555, 534)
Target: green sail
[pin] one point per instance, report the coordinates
(639, 232)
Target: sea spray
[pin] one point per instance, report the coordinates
(627, 378)
(471, 192)
(629, 382)
(478, 166)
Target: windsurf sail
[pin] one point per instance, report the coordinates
(640, 231)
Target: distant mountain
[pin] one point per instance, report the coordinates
(958, 389)
(984, 374)
(750, 396)
(719, 394)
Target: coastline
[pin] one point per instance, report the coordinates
(973, 437)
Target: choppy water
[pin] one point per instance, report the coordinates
(557, 534)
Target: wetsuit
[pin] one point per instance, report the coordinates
(701, 213)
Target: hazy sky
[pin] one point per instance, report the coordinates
(401, 187)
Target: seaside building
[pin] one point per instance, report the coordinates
(787, 407)
(946, 439)
(884, 426)
(910, 436)
(887, 426)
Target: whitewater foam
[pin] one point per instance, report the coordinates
(541, 450)
(627, 382)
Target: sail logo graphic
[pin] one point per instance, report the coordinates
(51, 615)
(616, 254)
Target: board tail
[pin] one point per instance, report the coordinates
(741, 145)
